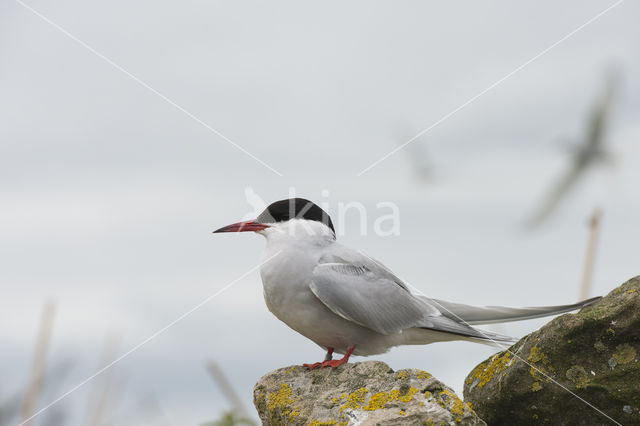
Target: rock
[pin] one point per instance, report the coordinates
(593, 354)
(364, 393)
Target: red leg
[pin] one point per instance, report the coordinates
(331, 363)
(329, 355)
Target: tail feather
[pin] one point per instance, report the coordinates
(450, 326)
(494, 314)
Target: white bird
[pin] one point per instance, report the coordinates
(347, 302)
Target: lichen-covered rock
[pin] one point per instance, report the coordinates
(594, 354)
(365, 393)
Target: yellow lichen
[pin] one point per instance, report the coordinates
(536, 355)
(624, 353)
(402, 375)
(421, 374)
(281, 401)
(281, 398)
(486, 371)
(633, 290)
(380, 399)
(402, 413)
(457, 406)
(377, 401)
(326, 423)
(355, 399)
(540, 365)
(406, 397)
(536, 386)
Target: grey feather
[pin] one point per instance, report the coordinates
(345, 255)
(357, 294)
(364, 291)
(449, 325)
(494, 314)
(382, 304)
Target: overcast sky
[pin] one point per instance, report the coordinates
(111, 178)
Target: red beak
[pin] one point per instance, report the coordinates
(249, 225)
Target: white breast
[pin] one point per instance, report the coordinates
(286, 278)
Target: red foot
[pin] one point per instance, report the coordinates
(331, 363)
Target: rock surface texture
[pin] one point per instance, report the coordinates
(366, 393)
(595, 354)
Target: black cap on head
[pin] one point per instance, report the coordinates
(294, 208)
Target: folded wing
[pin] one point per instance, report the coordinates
(357, 294)
(379, 303)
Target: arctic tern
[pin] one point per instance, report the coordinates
(349, 303)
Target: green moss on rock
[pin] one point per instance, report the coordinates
(593, 354)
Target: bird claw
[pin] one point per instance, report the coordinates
(333, 364)
(312, 366)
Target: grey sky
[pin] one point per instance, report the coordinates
(109, 194)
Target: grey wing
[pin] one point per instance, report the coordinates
(375, 301)
(557, 193)
(494, 314)
(358, 294)
(345, 255)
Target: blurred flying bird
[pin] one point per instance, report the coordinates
(585, 156)
(347, 302)
(421, 167)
